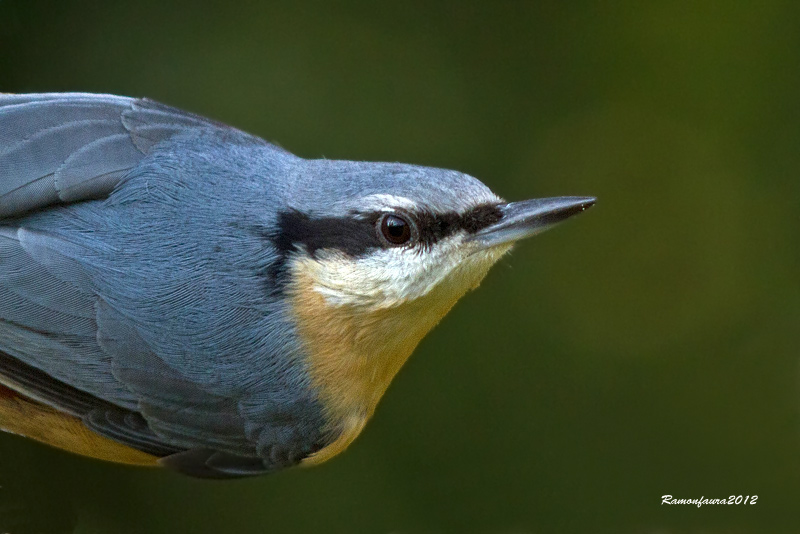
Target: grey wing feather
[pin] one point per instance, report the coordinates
(58, 148)
(47, 313)
(55, 330)
(41, 387)
(173, 405)
(150, 122)
(129, 428)
(112, 421)
(209, 463)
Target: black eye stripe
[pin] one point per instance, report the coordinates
(352, 235)
(357, 235)
(436, 226)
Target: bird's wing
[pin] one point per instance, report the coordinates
(126, 426)
(67, 147)
(61, 343)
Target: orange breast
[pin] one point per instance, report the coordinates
(353, 354)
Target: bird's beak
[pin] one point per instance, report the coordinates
(529, 217)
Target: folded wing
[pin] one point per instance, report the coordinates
(61, 343)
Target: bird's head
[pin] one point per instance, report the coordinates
(375, 254)
(376, 236)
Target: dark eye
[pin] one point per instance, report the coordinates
(396, 230)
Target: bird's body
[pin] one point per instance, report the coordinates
(175, 290)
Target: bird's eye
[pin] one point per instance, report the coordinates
(396, 230)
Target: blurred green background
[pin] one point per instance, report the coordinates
(648, 347)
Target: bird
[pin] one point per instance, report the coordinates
(176, 292)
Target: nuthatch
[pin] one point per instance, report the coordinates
(174, 291)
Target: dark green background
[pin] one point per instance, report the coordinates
(648, 347)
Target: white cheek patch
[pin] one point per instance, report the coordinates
(390, 277)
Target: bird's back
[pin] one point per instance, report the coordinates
(135, 295)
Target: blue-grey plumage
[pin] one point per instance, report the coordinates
(199, 295)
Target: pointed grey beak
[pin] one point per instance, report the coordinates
(530, 217)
